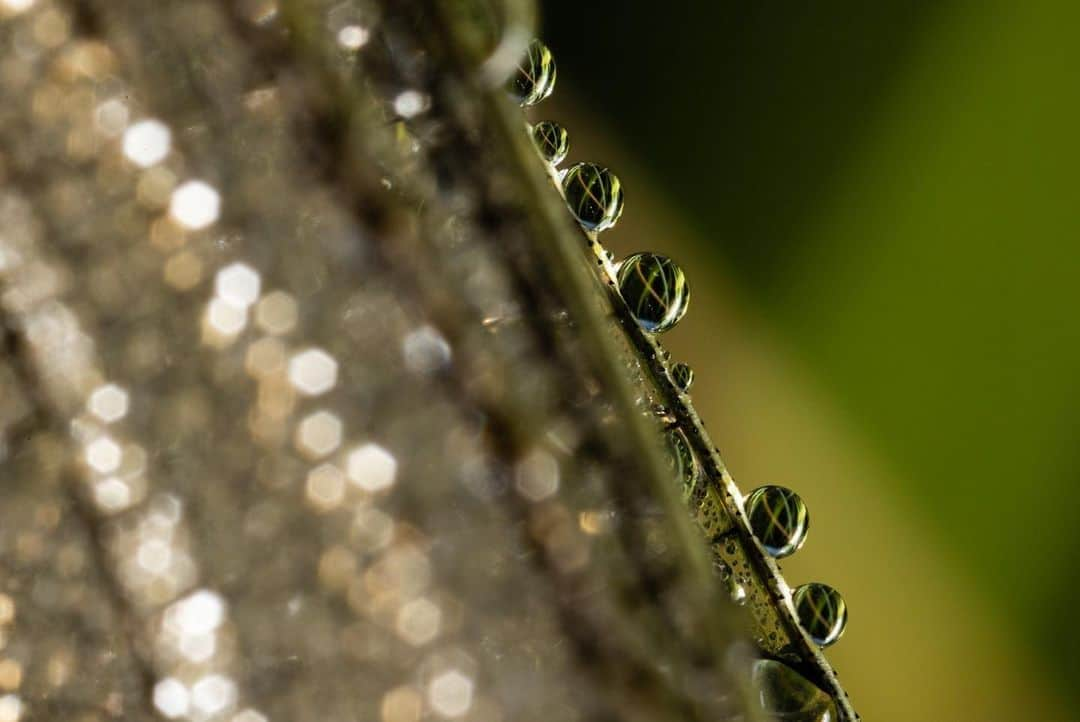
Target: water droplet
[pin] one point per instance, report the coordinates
(735, 590)
(822, 612)
(683, 462)
(787, 696)
(683, 376)
(535, 76)
(594, 195)
(655, 289)
(779, 519)
(551, 140)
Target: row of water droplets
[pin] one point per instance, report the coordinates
(657, 295)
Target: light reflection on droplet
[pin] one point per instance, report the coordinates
(11, 708)
(402, 704)
(52, 28)
(371, 529)
(153, 190)
(183, 271)
(11, 674)
(171, 697)
(426, 350)
(111, 494)
(418, 621)
(313, 371)
(16, 6)
(213, 694)
(353, 37)
(225, 319)
(200, 612)
(109, 403)
(337, 567)
(537, 476)
(450, 693)
(111, 117)
(154, 555)
(238, 284)
(411, 103)
(372, 468)
(325, 488)
(265, 357)
(7, 609)
(249, 715)
(103, 455)
(147, 142)
(319, 434)
(195, 205)
(276, 313)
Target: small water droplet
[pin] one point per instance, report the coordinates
(594, 195)
(683, 376)
(822, 612)
(535, 76)
(735, 590)
(551, 140)
(655, 290)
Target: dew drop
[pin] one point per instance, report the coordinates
(822, 612)
(594, 195)
(534, 78)
(779, 519)
(551, 140)
(683, 376)
(655, 290)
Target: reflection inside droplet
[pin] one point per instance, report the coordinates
(195, 205)
(213, 694)
(171, 697)
(108, 402)
(353, 37)
(411, 103)
(450, 694)
(238, 284)
(147, 142)
(372, 468)
(103, 455)
(426, 350)
(11, 708)
(313, 371)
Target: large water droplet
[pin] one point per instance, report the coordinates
(551, 140)
(822, 612)
(788, 696)
(594, 195)
(535, 76)
(778, 518)
(655, 289)
(683, 376)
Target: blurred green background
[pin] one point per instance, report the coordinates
(877, 207)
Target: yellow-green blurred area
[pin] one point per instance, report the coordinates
(878, 207)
